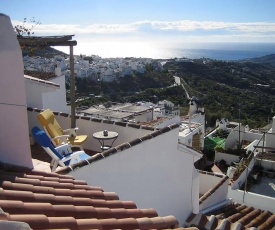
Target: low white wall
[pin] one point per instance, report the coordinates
(34, 91)
(153, 174)
(57, 99)
(266, 164)
(249, 136)
(169, 121)
(207, 182)
(252, 199)
(251, 147)
(88, 127)
(229, 158)
(270, 137)
(218, 196)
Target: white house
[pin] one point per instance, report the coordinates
(152, 170)
(47, 94)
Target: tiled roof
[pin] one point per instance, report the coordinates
(51, 201)
(40, 75)
(234, 217)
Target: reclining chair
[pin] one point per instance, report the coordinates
(61, 155)
(57, 134)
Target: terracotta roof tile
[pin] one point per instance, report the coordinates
(53, 201)
(233, 216)
(40, 75)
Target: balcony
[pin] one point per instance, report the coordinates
(128, 132)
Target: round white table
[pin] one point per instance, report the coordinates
(112, 136)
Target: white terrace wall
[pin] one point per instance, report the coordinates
(208, 181)
(248, 198)
(89, 126)
(229, 158)
(34, 92)
(253, 199)
(250, 136)
(169, 121)
(57, 100)
(266, 164)
(216, 196)
(153, 174)
(251, 146)
(270, 136)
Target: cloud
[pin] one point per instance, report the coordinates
(163, 29)
(186, 25)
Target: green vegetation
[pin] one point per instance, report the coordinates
(151, 86)
(225, 88)
(241, 91)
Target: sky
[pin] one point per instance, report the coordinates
(116, 26)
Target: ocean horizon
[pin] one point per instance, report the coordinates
(218, 51)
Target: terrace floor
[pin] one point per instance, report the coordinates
(41, 160)
(265, 186)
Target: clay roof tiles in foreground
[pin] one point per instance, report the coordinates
(234, 217)
(52, 201)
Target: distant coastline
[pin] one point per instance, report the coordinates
(218, 51)
(225, 55)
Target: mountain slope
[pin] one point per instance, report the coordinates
(231, 89)
(269, 59)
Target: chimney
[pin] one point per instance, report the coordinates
(14, 133)
(57, 71)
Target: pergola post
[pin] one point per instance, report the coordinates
(72, 89)
(65, 40)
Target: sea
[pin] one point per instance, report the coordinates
(218, 51)
(225, 53)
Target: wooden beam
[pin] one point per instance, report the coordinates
(43, 43)
(46, 38)
(65, 40)
(72, 90)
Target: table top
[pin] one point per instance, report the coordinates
(100, 135)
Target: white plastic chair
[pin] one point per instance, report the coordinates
(62, 154)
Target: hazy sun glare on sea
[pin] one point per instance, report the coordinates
(117, 49)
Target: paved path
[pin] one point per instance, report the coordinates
(178, 81)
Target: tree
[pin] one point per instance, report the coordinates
(24, 30)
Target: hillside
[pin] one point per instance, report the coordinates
(242, 89)
(47, 52)
(268, 59)
(230, 89)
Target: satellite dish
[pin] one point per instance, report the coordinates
(232, 140)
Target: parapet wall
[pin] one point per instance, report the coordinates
(88, 126)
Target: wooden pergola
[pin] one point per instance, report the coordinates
(64, 40)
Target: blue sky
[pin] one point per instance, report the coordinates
(148, 23)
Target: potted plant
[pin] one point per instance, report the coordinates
(219, 148)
